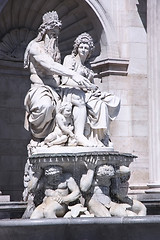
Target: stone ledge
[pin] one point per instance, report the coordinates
(108, 67)
(9, 206)
(71, 159)
(9, 210)
(4, 198)
(70, 150)
(150, 200)
(133, 228)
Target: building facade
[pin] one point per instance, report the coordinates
(125, 61)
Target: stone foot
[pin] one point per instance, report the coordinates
(83, 141)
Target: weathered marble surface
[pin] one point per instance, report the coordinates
(86, 175)
(64, 106)
(72, 170)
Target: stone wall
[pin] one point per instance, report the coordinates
(129, 132)
(123, 37)
(13, 139)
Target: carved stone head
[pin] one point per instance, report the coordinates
(52, 170)
(105, 170)
(50, 21)
(83, 38)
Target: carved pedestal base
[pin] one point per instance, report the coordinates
(73, 161)
(75, 182)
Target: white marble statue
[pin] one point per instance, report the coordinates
(28, 174)
(60, 189)
(92, 109)
(119, 192)
(102, 107)
(77, 210)
(63, 131)
(43, 58)
(66, 110)
(96, 188)
(28, 196)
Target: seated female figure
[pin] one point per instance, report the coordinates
(102, 107)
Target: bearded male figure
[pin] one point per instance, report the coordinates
(43, 58)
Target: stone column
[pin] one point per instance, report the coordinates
(153, 29)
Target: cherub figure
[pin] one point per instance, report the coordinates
(63, 131)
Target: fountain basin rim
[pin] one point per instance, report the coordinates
(151, 219)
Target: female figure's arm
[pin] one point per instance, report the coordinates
(84, 81)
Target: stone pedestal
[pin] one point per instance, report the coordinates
(73, 161)
(106, 175)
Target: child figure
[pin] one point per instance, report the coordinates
(63, 131)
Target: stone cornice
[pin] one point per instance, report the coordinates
(108, 67)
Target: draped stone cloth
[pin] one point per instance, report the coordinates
(40, 103)
(102, 107)
(105, 107)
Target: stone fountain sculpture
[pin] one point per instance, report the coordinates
(72, 169)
